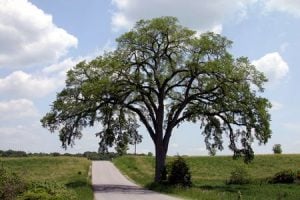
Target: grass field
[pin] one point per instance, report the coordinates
(69, 171)
(209, 175)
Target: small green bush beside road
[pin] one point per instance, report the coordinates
(179, 173)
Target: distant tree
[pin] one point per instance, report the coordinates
(164, 75)
(13, 153)
(277, 149)
(150, 154)
(55, 154)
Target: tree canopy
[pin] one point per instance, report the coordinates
(163, 74)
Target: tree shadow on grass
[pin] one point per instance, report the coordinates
(76, 184)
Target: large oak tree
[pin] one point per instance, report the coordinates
(163, 74)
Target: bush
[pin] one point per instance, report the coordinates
(298, 175)
(277, 149)
(179, 173)
(150, 154)
(239, 176)
(11, 185)
(285, 176)
(47, 191)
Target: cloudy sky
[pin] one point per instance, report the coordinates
(41, 39)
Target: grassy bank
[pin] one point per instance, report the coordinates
(71, 172)
(209, 175)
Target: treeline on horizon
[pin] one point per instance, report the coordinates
(91, 155)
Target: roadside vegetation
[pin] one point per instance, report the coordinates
(45, 177)
(221, 177)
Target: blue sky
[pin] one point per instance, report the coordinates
(41, 39)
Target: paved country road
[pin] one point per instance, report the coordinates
(110, 184)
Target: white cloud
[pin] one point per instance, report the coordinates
(289, 6)
(16, 109)
(273, 65)
(119, 21)
(28, 36)
(20, 84)
(200, 15)
(58, 71)
(62, 67)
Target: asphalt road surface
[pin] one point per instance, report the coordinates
(110, 184)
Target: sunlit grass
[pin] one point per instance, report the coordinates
(209, 175)
(69, 171)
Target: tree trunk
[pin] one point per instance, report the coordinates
(160, 160)
(160, 151)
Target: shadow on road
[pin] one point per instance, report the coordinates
(104, 188)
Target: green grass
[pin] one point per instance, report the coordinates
(69, 171)
(209, 175)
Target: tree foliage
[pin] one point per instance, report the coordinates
(277, 149)
(163, 74)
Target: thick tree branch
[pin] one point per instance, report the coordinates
(143, 120)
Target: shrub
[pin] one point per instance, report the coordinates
(239, 176)
(298, 175)
(11, 185)
(285, 176)
(277, 149)
(150, 153)
(179, 173)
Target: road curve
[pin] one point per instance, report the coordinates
(109, 184)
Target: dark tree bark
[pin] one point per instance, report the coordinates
(160, 160)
